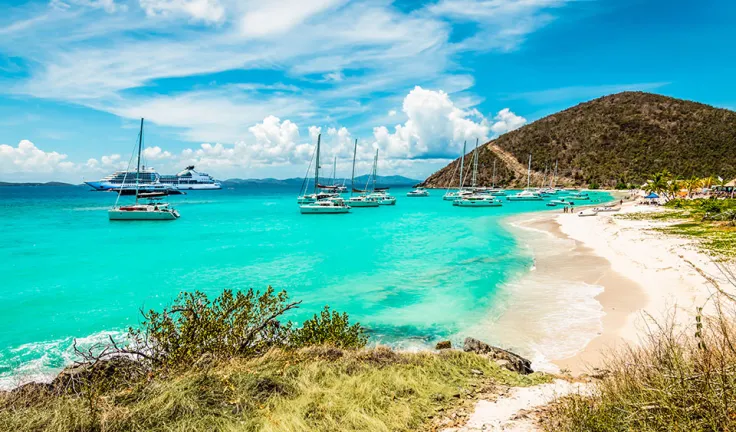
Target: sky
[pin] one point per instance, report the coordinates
(243, 88)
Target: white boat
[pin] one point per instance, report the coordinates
(383, 197)
(329, 203)
(189, 179)
(363, 201)
(477, 201)
(152, 210)
(589, 212)
(418, 192)
(380, 194)
(452, 196)
(527, 194)
(325, 206)
(577, 197)
(607, 209)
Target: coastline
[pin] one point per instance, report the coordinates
(624, 271)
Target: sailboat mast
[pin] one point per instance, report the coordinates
(475, 162)
(352, 176)
(375, 170)
(138, 169)
(334, 170)
(462, 164)
(554, 182)
(529, 172)
(494, 175)
(316, 167)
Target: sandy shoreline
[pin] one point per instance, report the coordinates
(629, 270)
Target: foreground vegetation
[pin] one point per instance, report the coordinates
(229, 364)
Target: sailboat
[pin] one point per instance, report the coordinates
(380, 194)
(527, 194)
(330, 204)
(476, 199)
(151, 209)
(452, 196)
(362, 200)
(494, 191)
(318, 194)
(550, 190)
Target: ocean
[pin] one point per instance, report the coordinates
(413, 273)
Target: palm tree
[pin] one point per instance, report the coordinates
(707, 182)
(658, 183)
(692, 184)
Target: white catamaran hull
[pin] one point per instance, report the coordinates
(127, 215)
(479, 203)
(363, 203)
(316, 209)
(516, 198)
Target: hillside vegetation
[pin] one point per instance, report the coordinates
(617, 139)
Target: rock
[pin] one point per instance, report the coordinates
(516, 363)
(110, 372)
(443, 345)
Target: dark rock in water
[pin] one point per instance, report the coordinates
(443, 345)
(510, 361)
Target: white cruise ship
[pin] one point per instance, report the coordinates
(189, 179)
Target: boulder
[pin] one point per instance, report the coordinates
(443, 345)
(110, 372)
(510, 361)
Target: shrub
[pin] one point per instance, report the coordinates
(329, 329)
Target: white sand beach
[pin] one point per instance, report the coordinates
(615, 272)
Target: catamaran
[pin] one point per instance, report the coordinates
(332, 204)
(152, 209)
(380, 194)
(418, 192)
(527, 194)
(495, 191)
(476, 199)
(362, 200)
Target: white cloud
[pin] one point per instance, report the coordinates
(435, 127)
(27, 158)
(268, 18)
(506, 121)
(155, 153)
(391, 113)
(209, 11)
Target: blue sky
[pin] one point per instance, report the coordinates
(241, 88)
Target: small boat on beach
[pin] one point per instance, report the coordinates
(152, 209)
(607, 209)
(588, 212)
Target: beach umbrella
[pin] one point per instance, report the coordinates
(652, 195)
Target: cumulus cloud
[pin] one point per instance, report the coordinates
(27, 158)
(435, 127)
(155, 153)
(506, 121)
(209, 11)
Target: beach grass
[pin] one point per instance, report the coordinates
(317, 388)
(678, 380)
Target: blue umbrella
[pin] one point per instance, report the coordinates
(652, 195)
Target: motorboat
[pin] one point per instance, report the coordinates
(418, 192)
(452, 196)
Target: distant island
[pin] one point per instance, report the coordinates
(51, 183)
(360, 181)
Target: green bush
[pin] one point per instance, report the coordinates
(329, 329)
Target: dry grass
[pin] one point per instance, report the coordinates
(678, 380)
(323, 389)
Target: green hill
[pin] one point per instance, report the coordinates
(618, 138)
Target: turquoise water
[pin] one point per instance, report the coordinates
(411, 273)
